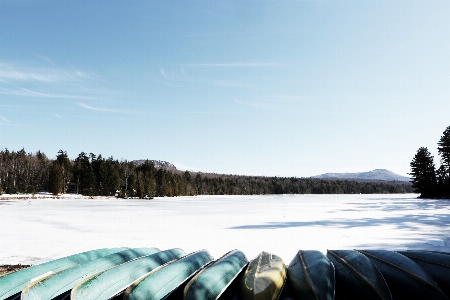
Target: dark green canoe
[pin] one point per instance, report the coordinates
(406, 279)
(161, 282)
(12, 284)
(212, 281)
(436, 264)
(357, 277)
(310, 276)
(60, 284)
(113, 281)
(264, 278)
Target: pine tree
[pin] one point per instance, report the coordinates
(55, 184)
(66, 168)
(84, 175)
(423, 173)
(444, 152)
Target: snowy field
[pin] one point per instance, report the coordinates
(39, 230)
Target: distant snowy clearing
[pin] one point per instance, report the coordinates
(38, 230)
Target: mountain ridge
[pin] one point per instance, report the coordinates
(377, 174)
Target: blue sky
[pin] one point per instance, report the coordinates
(275, 88)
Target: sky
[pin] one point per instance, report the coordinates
(273, 88)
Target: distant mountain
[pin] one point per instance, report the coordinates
(160, 164)
(377, 174)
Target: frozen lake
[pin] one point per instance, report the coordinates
(39, 230)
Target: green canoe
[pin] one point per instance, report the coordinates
(310, 275)
(12, 284)
(405, 278)
(357, 277)
(59, 284)
(163, 281)
(212, 281)
(111, 282)
(436, 264)
(264, 278)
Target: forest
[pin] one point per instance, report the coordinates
(94, 175)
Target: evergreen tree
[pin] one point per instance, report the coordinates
(112, 176)
(84, 175)
(198, 183)
(444, 171)
(55, 184)
(423, 173)
(66, 168)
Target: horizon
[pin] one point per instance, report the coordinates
(258, 88)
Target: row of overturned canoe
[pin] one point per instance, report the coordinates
(148, 273)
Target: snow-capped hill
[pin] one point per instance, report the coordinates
(377, 174)
(160, 164)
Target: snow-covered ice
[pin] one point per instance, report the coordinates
(39, 230)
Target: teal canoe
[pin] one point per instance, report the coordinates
(264, 278)
(60, 284)
(436, 264)
(112, 282)
(357, 277)
(161, 282)
(310, 276)
(212, 281)
(12, 284)
(406, 279)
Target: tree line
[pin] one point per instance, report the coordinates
(429, 181)
(94, 175)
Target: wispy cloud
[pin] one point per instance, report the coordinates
(4, 119)
(163, 72)
(16, 73)
(285, 98)
(84, 105)
(110, 110)
(58, 116)
(254, 104)
(24, 92)
(229, 83)
(232, 65)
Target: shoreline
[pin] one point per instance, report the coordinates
(7, 269)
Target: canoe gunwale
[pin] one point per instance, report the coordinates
(425, 260)
(308, 275)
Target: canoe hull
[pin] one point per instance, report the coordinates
(162, 282)
(310, 276)
(357, 277)
(60, 284)
(111, 282)
(437, 264)
(12, 284)
(212, 281)
(405, 278)
(264, 278)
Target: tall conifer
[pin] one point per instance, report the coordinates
(55, 184)
(423, 173)
(444, 152)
